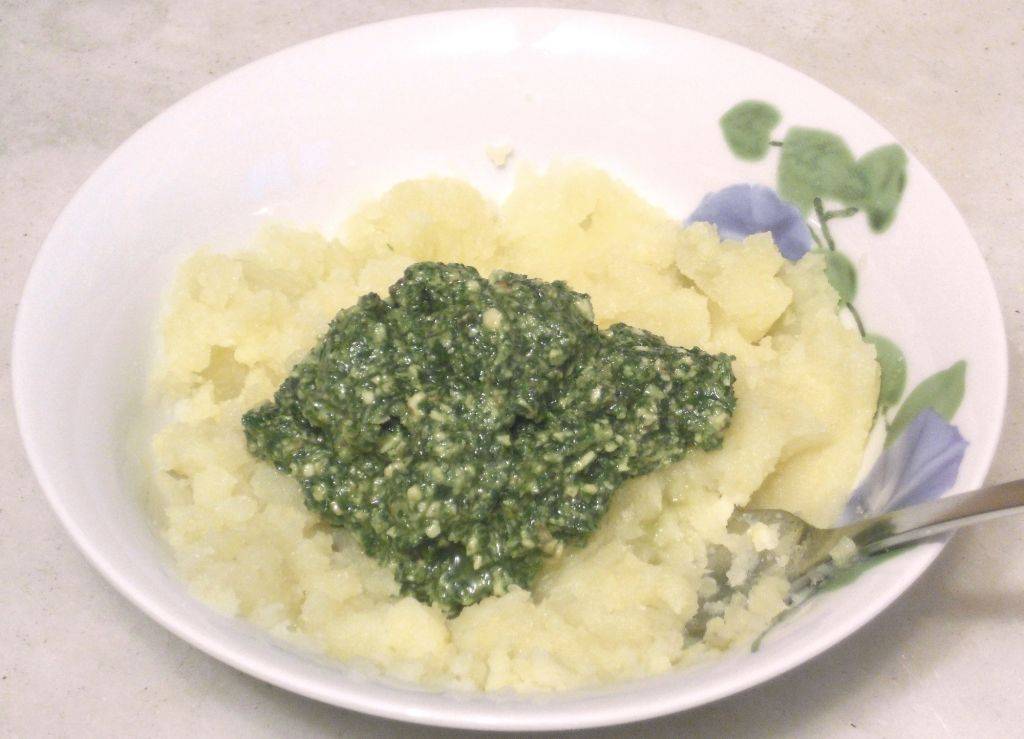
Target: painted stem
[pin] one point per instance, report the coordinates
(814, 235)
(856, 319)
(844, 213)
(819, 210)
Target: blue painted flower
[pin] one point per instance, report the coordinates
(741, 210)
(919, 466)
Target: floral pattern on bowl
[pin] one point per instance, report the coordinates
(816, 170)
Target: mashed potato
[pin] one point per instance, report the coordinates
(806, 388)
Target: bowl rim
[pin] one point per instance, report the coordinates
(557, 713)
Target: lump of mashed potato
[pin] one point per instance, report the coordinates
(806, 387)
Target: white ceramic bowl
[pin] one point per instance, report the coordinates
(305, 135)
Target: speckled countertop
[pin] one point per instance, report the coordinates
(76, 78)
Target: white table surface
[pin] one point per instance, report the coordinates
(76, 78)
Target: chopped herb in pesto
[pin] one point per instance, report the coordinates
(463, 428)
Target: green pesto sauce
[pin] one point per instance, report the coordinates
(463, 428)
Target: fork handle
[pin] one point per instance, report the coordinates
(905, 525)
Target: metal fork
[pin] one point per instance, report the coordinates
(811, 549)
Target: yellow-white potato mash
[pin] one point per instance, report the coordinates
(235, 325)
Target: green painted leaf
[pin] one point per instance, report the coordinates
(841, 274)
(747, 127)
(817, 163)
(885, 171)
(942, 392)
(894, 370)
